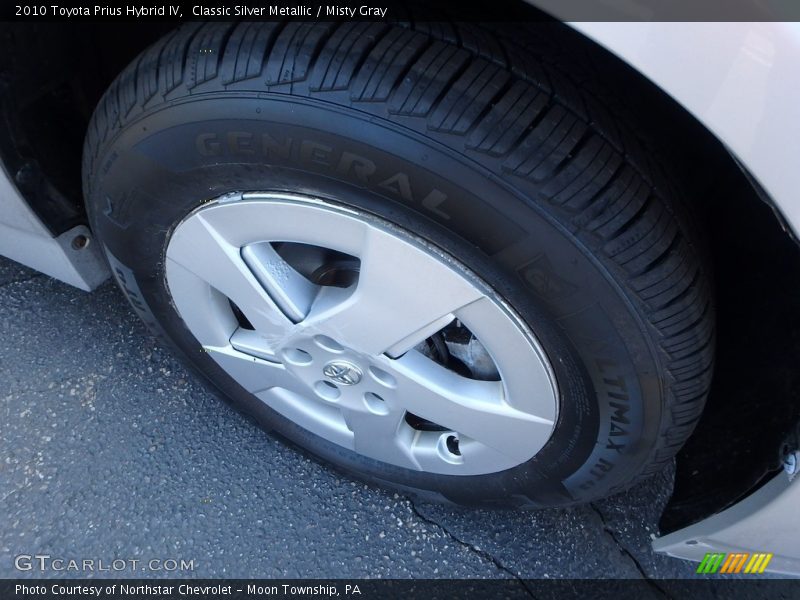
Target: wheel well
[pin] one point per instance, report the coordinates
(54, 75)
(751, 417)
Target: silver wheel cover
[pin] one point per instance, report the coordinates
(342, 362)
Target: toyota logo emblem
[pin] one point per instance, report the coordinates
(342, 372)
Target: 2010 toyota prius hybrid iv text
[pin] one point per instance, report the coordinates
(471, 262)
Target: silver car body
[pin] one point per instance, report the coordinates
(765, 521)
(25, 239)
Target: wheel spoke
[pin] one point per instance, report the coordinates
(205, 311)
(322, 419)
(384, 437)
(199, 248)
(401, 298)
(252, 373)
(472, 408)
(290, 291)
(431, 456)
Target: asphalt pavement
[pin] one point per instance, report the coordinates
(111, 449)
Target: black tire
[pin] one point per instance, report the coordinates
(485, 149)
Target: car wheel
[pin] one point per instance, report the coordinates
(437, 268)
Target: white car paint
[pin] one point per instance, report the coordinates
(741, 80)
(24, 238)
(766, 521)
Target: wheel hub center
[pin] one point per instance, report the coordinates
(342, 372)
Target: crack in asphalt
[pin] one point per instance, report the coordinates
(612, 534)
(472, 548)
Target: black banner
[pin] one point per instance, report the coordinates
(407, 589)
(431, 10)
